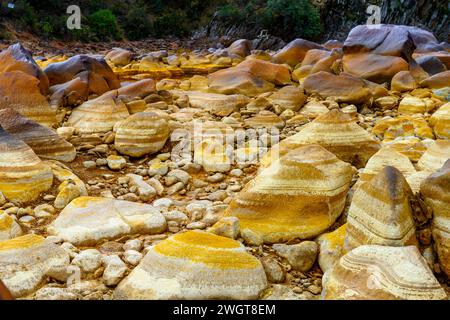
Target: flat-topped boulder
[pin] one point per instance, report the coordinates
(298, 196)
(45, 142)
(195, 265)
(88, 220)
(373, 272)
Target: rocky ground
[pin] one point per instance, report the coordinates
(152, 172)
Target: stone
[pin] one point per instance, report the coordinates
(26, 261)
(412, 147)
(133, 257)
(294, 52)
(141, 134)
(411, 105)
(402, 126)
(179, 266)
(241, 48)
(116, 162)
(403, 81)
(437, 81)
(55, 294)
(341, 88)
(180, 175)
(62, 173)
(88, 220)
(274, 271)
(217, 104)
(20, 91)
(44, 141)
(335, 131)
(88, 260)
(435, 156)
(314, 109)
(440, 121)
(435, 191)
(119, 57)
(298, 196)
(226, 227)
(277, 74)
(98, 115)
(288, 98)
(373, 272)
(145, 191)
(9, 228)
(25, 178)
(115, 270)
(331, 247)
(386, 157)
(93, 71)
(67, 192)
(212, 156)
(380, 212)
(300, 256)
(265, 119)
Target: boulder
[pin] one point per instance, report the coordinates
(26, 177)
(195, 265)
(298, 196)
(294, 52)
(373, 272)
(44, 141)
(436, 155)
(331, 247)
(288, 98)
(88, 220)
(437, 81)
(440, 121)
(119, 57)
(403, 81)
(140, 134)
(9, 228)
(389, 128)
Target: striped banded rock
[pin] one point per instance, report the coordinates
(45, 142)
(412, 105)
(23, 176)
(265, 119)
(436, 192)
(88, 220)
(314, 109)
(440, 121)
(331, 247)
(402, 126)
(141, 133)
(20, 92)
(338, 133)
(63, 174)
(195, 265)
(98, 115)
(380, 212)
(217, 104)
(288, 97)
(386, 156)
(435, 156)
(27, 261)
(412, 147)
(373, 272)
(9, 228)
(298, 196)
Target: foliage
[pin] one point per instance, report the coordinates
(105, 25)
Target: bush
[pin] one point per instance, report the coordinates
(171, 22)
(137, 25)
(104, 25)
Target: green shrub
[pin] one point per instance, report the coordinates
(137, 25)
(104, 26)
(171, 22)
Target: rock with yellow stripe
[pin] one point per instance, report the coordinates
(23, 176)
(436, 192)
(9, 228)
(338, 133)
(195, 265)
(27, 261)
(88, 220)
(142, 133)
(299, 196)
(440, 121)
(374, 272)
(380, 212)
(436, 155)
(44, 141)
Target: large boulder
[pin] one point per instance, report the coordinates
(17, 58)
(44, 141)
(119, 57)
(342, 88)
(436, 192)
(23, 176)
(440, 121)
(298, 196)
(88, 220)
(195, 265)
(20, 91)
(373, 272)
(91, 70)
(294, 52)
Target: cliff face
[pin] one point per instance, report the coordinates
(340, 16)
